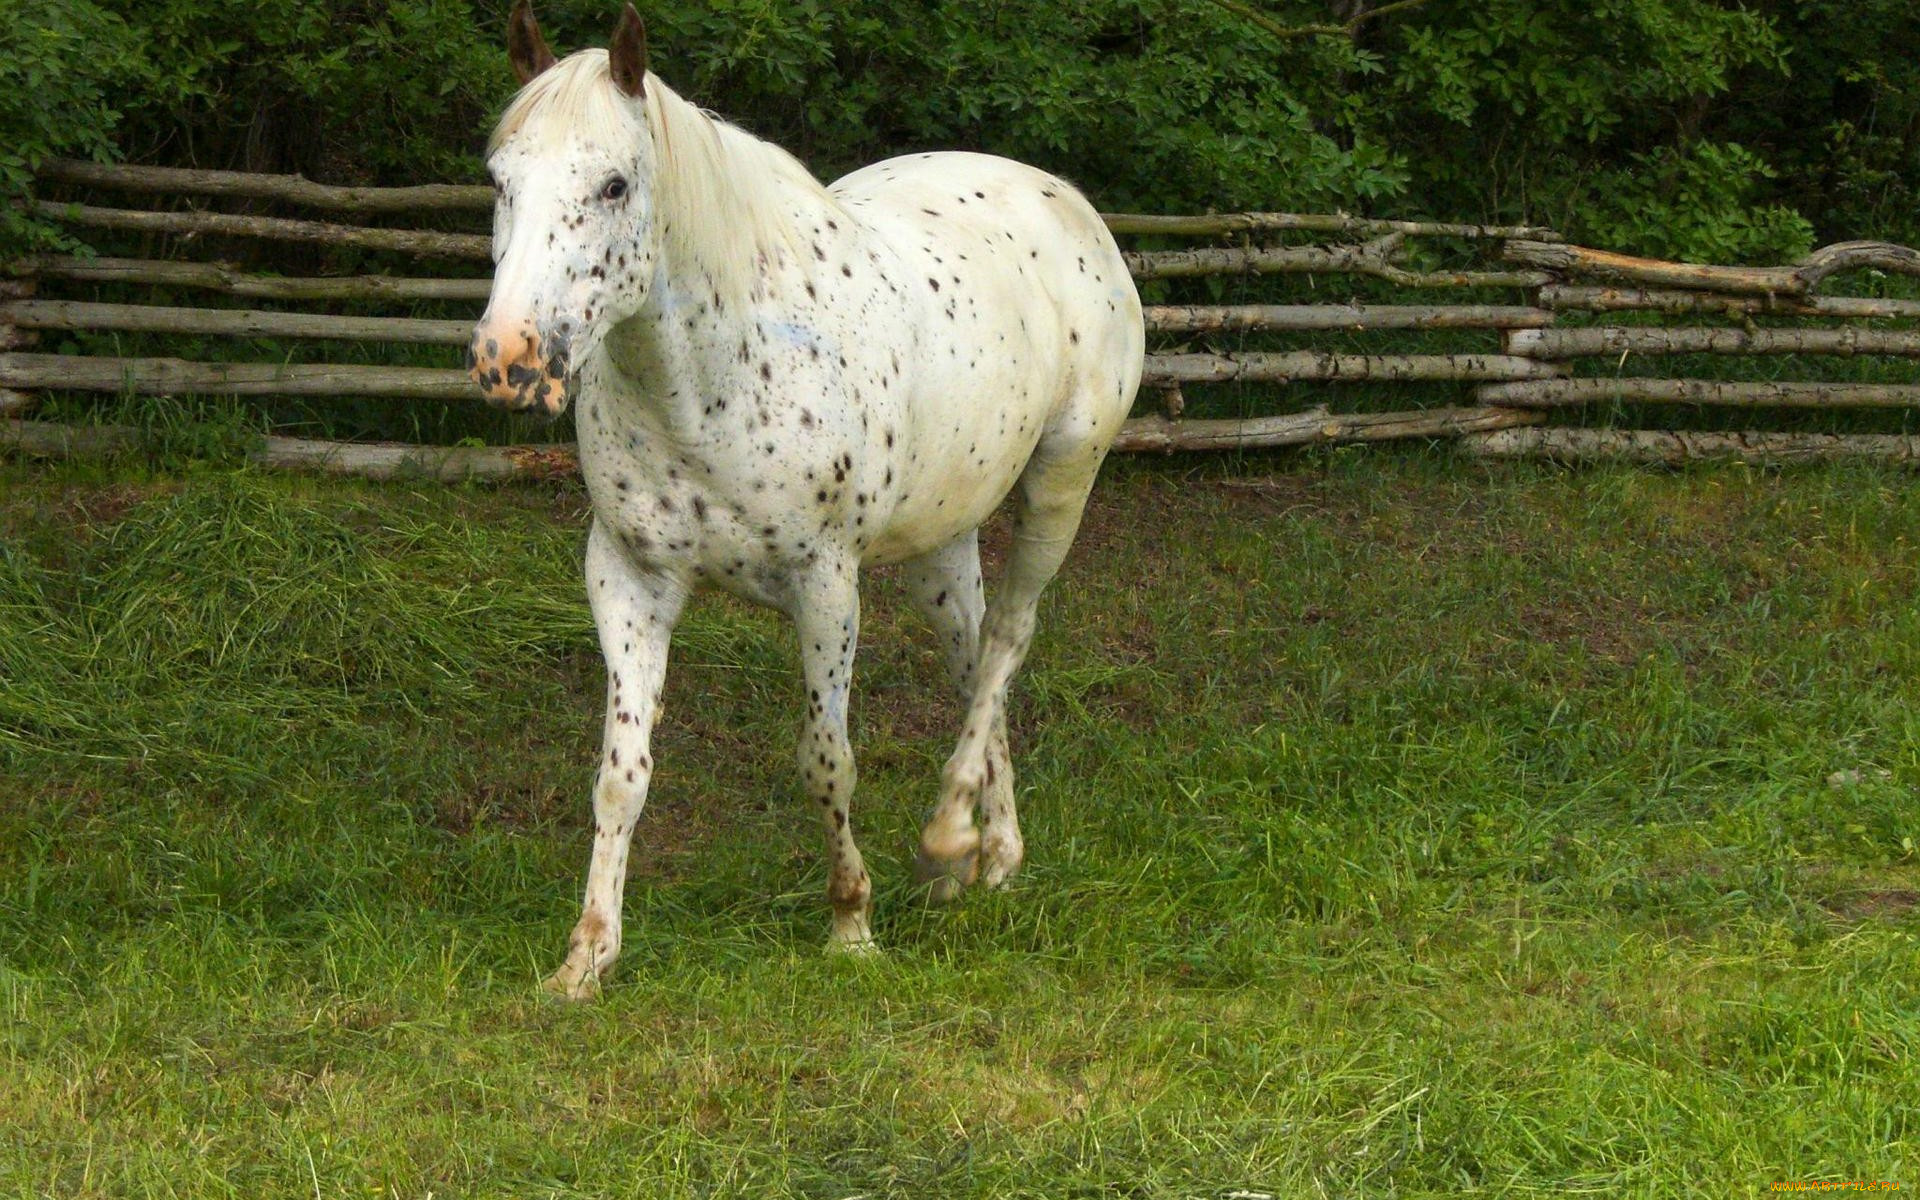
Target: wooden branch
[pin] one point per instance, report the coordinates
(1576, 343)
(1370, 258)
(12, 404)
(296, 189)
(497, 464)
(396, 460)
(220, 277)
(1303, 365)
(1248, 260)
(173, 376)
(1580, 260)
(192, 223)
(147, 318)
(10, 290)
(1215, 224)
(1556, 393)
(367, 460)
(1157, 434)
(1675, 448)
(1794, 281)
(1571, 298)
(1204, 318)
(1857, 256)
(44, 439)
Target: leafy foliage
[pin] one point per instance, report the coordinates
(1685, 127)
(58, 61)
(1594, 117)
(1842, 126)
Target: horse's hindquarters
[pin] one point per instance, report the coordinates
(1024, 327)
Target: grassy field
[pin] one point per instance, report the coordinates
(1396, 827)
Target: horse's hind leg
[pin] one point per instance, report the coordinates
(945, 587)
(1051, 495)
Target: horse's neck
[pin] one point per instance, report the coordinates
(682, 351)
(662, 357)
(680, 354)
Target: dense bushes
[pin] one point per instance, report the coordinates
(1682, 127)
(60, 63)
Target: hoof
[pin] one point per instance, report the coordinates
(1000, 860)
(945, 879)
(569, 983)
(863, 948)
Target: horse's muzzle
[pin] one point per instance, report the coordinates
(519, 372)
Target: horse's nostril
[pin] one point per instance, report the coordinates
(473, 360)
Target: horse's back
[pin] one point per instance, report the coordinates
(959, 206)
(1027, 322)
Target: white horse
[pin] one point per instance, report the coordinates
(778, 382)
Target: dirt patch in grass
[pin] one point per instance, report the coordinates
(91, 509)
(673, 834)
(909, 713)
(1619, 633)
(510, 803)
(64, 515)
(1874, 904)
(1350, 508)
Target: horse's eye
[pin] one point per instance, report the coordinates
(614, 189)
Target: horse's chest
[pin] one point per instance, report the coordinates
(746, 528)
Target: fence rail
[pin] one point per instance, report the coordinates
(1519, 360)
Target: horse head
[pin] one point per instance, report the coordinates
(574, 242)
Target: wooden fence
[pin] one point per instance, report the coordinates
(1524, 286)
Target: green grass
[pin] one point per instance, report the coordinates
(1396, 827)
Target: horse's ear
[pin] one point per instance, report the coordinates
(525, 47)
(627, 54)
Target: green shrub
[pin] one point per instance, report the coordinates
(1664, 126)
(62, 62)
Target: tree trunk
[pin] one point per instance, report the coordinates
(1567, 297)
(1316, 425)
(1298, 365)
(173, 376)
(220, 277)
(148, 318)
(1578, 343)
(1169, 318)
(411, 241)
(1675, 448)
(294, 189)
(1553, 393)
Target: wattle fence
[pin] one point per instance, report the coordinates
(1536, 335)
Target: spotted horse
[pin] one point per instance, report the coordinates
(778, 382)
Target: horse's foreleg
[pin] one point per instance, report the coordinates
(635, 614)
(827, 619)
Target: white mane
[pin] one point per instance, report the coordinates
(722, 196)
